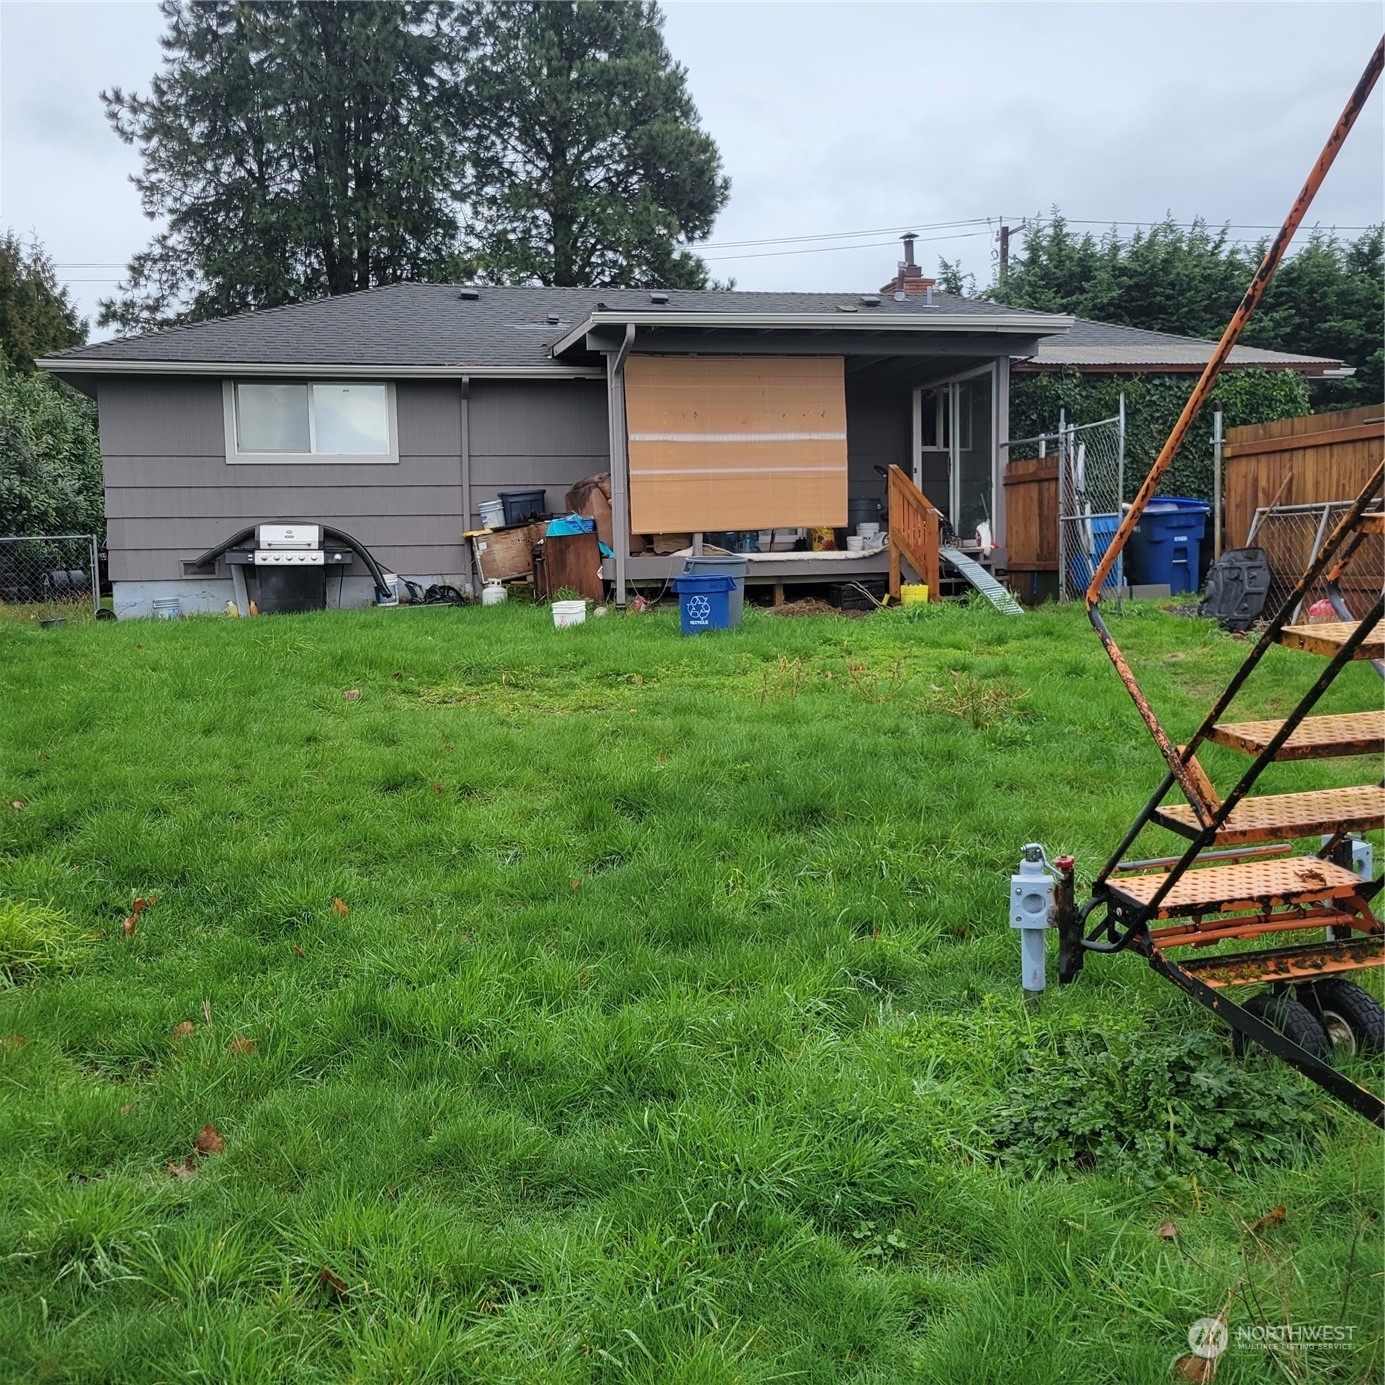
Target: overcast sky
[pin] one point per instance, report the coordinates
(866, 119)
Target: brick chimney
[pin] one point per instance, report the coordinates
(909, 281)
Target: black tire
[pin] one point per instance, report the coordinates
(1351, 1016)
(1292, 1018)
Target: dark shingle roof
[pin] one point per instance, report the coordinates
(1090, 345)
(431, 325)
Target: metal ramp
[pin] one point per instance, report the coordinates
(999, 597)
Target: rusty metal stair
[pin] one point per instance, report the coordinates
(1343, 733)
(1246, 887)
(1286, 816)
(1330, 636)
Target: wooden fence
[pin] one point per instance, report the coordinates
(1031, 514)
(1298, 461)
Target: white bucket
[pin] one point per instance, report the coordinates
(867, 530)
(855, 543)
(391, 586)
(167, 608)
(567, 613)
(492, 513)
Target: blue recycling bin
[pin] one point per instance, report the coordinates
(1166, 546)
(1082, 564)
(704, 601)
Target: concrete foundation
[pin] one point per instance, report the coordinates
(209, 595)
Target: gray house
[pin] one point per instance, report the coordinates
(392, 414)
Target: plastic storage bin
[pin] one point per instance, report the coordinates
(703, 601)
(521, 506)
(1081, 565)
(1166, 547)
(735, 568)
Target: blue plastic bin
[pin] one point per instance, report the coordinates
(1166, 547)
(1081, 565)
(704, 600)
(724, 566)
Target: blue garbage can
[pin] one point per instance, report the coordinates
(704, 600)
(1166, 546)
(1082, 564)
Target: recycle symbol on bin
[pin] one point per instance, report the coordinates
(699, 608)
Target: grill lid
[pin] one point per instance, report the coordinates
(288, 535)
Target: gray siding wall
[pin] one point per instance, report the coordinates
(170, 493)
(531, 434)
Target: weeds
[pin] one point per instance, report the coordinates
(36, 941)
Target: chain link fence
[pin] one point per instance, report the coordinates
(1291, 536)
(49, 577)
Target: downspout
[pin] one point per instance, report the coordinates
(467, 555)
(620, 461)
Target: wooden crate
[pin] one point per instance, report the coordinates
(507, 553)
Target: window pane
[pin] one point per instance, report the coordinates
(272, 418)
(351, 418)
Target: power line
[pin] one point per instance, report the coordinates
(844, 235)
(824, 249)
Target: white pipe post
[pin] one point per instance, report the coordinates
(1031, 908)
(1216, 480)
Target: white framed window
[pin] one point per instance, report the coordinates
(310, 421)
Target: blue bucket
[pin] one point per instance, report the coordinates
(704, 601)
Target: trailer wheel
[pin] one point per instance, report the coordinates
(1292, 1018)
(1351, 1015)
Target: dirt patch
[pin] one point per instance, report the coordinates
(811, 606)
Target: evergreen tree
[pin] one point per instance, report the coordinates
(587, 161)
(295, 150)
(36, 315)
(1325, 300)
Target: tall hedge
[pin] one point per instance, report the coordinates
(1152, 406)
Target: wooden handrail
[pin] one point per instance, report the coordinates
(913, 533)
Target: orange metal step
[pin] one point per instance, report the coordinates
(1246, 886)
(1330, 636)
(1314, 738)
(1307, 962)
(1274, 817)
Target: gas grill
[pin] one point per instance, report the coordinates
(288, 565)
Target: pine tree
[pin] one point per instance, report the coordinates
(36, 315)
(587, 161)
(295, 150)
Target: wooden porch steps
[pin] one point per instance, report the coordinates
(1244, 887)
(1349, 733)
(1330, 636)
(1281, 816)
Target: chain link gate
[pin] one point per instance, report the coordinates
(1091, 489)
(1291, 536)
(49, 577)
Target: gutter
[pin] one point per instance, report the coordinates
(111, 365)
(1019, 324)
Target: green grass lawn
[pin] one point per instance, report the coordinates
(602, 1005)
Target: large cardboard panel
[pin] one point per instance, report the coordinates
(731, 442)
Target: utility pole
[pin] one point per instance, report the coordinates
(1005, 233)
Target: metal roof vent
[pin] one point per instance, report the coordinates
(554, 318)
(870, 300)
(846, 307)
(658, 296)
(470, 294)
